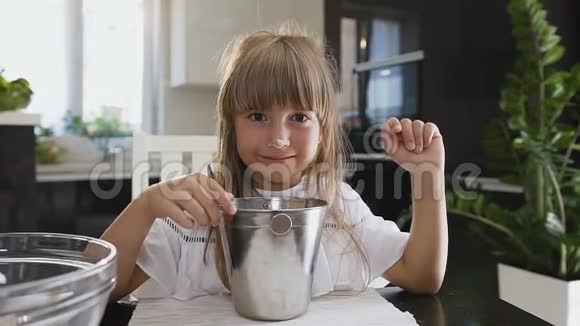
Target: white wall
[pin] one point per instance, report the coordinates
(192, 110)
(185, 110)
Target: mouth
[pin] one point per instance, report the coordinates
(277, 158)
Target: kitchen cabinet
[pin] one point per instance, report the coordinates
(18, 172)
(200, 31)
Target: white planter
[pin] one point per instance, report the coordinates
(551, 299)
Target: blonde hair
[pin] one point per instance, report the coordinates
(279, 67)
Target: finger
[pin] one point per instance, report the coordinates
(200, 215)
(215, 191)
(174, 189)
(224, 199)
(209, 204)
(394, 125)
(204, 198)
(176, 213)
(418, 128)
(195, 210)
(408, 136)
(431, 131)
(389, 141)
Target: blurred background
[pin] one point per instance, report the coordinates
(102, 69)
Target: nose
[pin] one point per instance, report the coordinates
(279, 131)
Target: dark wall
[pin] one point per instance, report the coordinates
(468, 50)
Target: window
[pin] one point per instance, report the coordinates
(113, 59)
(85, 56)
(384, 90)
(32, 46)
(379, 56)
(385, 87)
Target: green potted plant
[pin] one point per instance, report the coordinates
(14, 94)
(538, 244)
(47, 151)
(106, 128)
(101, 130)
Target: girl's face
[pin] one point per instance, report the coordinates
(256, 135)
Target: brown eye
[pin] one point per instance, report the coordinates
(300, 118)
(258, 117)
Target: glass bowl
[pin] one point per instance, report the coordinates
(54, 279)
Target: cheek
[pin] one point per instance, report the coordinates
(241, 141)
(308, 142)
(246, 140)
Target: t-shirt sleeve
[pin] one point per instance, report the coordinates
(159, 258)
(383, 241)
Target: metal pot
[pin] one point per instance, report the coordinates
(271, 245)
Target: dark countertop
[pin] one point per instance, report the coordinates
(468, 296)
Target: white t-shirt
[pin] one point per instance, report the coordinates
(173, 256)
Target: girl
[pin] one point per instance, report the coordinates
(279, 135)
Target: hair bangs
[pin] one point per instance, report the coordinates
(280, 73)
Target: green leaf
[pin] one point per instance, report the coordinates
(4, 84)
(521, 32)
(538, 16)
(512, 99)
(546, 32)
(563, 139)
(576, 147)
(553, 55)
(497, 147)
(516, 8)
(576, 186)
(555, 90)
(479, 204)
(549, 42)
(518, 143)
(575, 77)
(556, 78)
(494, 212)
(517, 123)
(513, 80)
(556, 137)
(524, 45)
(571, 239)
(532, 6)
(464, 205)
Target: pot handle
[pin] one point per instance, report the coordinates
(281, 224)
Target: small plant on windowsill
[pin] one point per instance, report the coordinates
(47, 150)
(101, 129)
(534, 142)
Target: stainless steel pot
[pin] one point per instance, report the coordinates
(272, 245)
